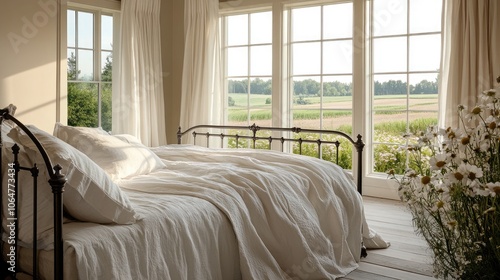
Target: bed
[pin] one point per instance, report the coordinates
(177, 211)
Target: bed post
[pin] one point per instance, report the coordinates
(359, 147)
(56, 181)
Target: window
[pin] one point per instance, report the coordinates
(320, 41)
(369, 66)
(249, 67)
(90, 64)
(406, 41)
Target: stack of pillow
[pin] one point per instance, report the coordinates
(93, 162)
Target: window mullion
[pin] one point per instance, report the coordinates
(97, 64)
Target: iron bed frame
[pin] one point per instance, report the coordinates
(358, 144)
(57, 179)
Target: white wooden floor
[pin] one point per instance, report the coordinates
(408, 256)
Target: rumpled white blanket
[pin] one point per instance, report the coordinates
(293, 217)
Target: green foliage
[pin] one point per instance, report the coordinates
(257, 86)
(83, 102)
(301, 101)
(311, 87)
(268, 100)
(230, 101)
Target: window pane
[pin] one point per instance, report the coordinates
(389, 17)
(338, 120)
(106, 32)
(425, 52)
(306, 58)
(423, 92)
(261, 88)
(430, 10)
(237, 61)
(389, 54)
(389, 156)
(71, 28)
(238, 85)
(238, 93)
(237, 30)
(306, 24)
(337, 57)
(261, 60)
(306, 92)
(85, 65)
(85, 30)
(420, 120)
(337, 21)
(389, 85)
(106, 66)
(261, 117)
(82, 104)
(305, 117)
(261, 28)
(106, 106)
(389, 126)
(337, 92)
(72, 71)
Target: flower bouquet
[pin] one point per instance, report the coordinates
(452, 189)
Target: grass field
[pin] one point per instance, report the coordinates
(393, 107)
(391, 116)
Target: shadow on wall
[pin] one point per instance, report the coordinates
(28, 55)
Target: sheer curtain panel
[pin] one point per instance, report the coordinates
(470, 58)
(201, 77)
(138, 106)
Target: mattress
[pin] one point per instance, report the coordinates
(184, 237)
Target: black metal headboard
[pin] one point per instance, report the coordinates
(56, 181)
(253, 137)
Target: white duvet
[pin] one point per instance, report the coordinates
(241, 213)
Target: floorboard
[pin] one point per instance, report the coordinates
(407, 258)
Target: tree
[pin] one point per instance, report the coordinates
(83, 102)
(107, 72)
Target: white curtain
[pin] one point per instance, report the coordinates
(470, 57)
(138, 106)
(201, 101)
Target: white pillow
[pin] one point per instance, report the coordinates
(120, 159)
(90, 195)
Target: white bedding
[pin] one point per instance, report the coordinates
(219, 214)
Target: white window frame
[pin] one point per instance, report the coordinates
(98, 8)
(374, 184)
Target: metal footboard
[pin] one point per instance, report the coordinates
(56, 181)
(236, 133)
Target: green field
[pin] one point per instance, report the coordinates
(333, 106)
(389, 120)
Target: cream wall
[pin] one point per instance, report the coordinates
(29, 56)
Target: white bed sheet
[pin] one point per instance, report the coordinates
(226, 214)
(293, 216)
(179, 237)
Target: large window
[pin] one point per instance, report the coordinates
(405, 39)
(249, 68)
(90, 63)
(368, 67)
(320, 63)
